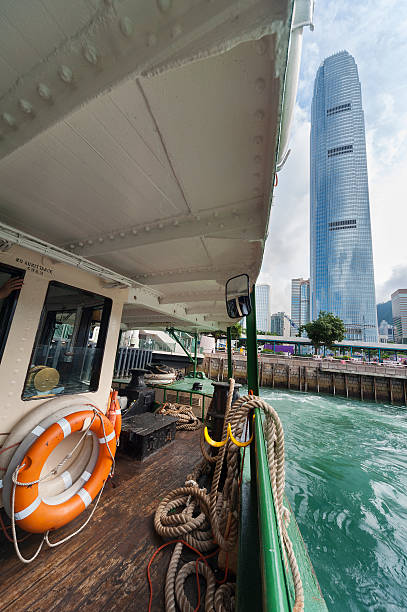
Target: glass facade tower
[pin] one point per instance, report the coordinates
(342, 278)
(263, 309)
(300, 304)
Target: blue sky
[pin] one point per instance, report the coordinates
(375, 33)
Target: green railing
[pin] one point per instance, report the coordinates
(274, 585)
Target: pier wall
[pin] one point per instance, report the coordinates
(380, 383)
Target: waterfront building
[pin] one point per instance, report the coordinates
(280, 325)
(300, 304)
(342, 277)
(399, 308)
(263, 310)
(386, 332)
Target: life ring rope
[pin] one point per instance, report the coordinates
(83, 493)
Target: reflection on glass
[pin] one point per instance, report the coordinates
(238, 297)
(68, 351)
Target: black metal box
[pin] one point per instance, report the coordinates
(144, 434)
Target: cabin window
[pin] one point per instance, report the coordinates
(8, 300)
(68, 351)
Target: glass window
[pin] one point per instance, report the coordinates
(10, 284)
(68, 350)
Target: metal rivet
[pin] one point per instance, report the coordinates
(134, 232)
(80, 244)
(26, 106)
(261, 46)
(122, 234)
(164, 5)
(111, 236)
(258, 159)
(100, 239)
(147, 228)
(151, 40)
(44, 91)
(176, 30)
(221, 225)
(161, 225)
(216, 214)
(260, 85)
(176, 222)
(258, 140)
(9, 119)
(90, 54)
(90, 242)
(198, 218)
(126, 26)
(65, 74)
(259, 114)
(71, 246)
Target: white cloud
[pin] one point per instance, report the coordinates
(287, 249)
(374, 32)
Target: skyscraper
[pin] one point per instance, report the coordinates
(263, 311)
(300, 304)
(279, 325)
(342, 279)
(399, 307)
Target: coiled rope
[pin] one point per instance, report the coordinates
(207, 520)
(45, 539)
(186, 420)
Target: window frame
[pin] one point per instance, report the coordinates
(9, 305)
(100, 344)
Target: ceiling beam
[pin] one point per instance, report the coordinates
(240, 219)
(190, 297)
(191, 274)
(214, 309)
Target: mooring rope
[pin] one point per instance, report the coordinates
(186, 419)
(206, 520)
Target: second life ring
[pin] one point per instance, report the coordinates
(31, 512)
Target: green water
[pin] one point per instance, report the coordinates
(346, 478)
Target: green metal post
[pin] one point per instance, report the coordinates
(380, 356)
(195, 352)
(351, 351)
(251, 343)
(229, 341)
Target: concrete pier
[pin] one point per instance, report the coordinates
(374, 382)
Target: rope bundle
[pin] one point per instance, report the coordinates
(206, 520)
(186, 420)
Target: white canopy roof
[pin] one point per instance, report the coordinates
(142, 136)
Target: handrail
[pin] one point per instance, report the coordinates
(274, 586)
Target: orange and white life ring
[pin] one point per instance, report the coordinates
(114, 413)
(31, 512)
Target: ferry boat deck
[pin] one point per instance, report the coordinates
(105, 566)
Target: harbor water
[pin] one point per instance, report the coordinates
(346, 479)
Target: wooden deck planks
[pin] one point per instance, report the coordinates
(104, 567)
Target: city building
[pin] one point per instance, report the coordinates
(263, 311)
(386, 332)
(280, 326)
(300, 304)
(342, 277)
(399, 308)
